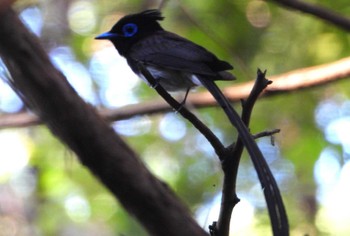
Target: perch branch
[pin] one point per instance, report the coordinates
(279, 221)
(180, 108)
(230, 165)
(295, 80)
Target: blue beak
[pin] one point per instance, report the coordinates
(107, 35)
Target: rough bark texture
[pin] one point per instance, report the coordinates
(48, 94)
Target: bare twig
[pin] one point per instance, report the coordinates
(230, 165)
(260, 84)
(317, 11)
(18, 120)
(180, 108)
(279, 221)
(266, 133)
(296, 80)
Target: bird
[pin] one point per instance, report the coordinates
(179, 64)
(176, 63)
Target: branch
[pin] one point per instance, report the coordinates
(231, 163)
(77, 125)
(317, 11)
(180, 108)
(296, 80)
(266, 133)
(279, 221)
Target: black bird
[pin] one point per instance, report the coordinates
(179, 64)
(175, 62)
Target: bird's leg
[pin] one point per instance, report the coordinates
(186, 94)
(182, 104)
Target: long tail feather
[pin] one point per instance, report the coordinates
(272, 194)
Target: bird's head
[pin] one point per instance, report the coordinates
(131, 28)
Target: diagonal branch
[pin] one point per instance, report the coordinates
(300, 79)
(96, 144)
(317, 11)
(230, 165)
(180, 108)
(279, 221)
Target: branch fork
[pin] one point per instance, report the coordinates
(229, 156)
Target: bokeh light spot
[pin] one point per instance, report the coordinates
(81, 17)
(77, 208)
(258, 14)
(32, 17)
(172, 127)
(114, 78)
(14, 153)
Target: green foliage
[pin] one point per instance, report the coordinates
(285, 41)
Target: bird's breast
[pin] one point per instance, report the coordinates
(172, 80)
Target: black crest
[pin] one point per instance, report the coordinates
(152, 14)
(145, 18)
(132, 28)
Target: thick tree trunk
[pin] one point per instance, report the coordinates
(47, 93)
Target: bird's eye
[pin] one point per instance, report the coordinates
(129, 29)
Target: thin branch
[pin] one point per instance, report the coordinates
(266, 133)
(296, 80)
(230, 165)
(279, 221)
(260, 84)
(19, 120)
(180, 108)
(317, 11)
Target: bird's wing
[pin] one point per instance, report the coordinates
(171, 51)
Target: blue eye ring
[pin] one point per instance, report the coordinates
(129, 29)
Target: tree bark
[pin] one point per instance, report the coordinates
(46, 91)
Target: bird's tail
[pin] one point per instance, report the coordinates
(268, 183)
